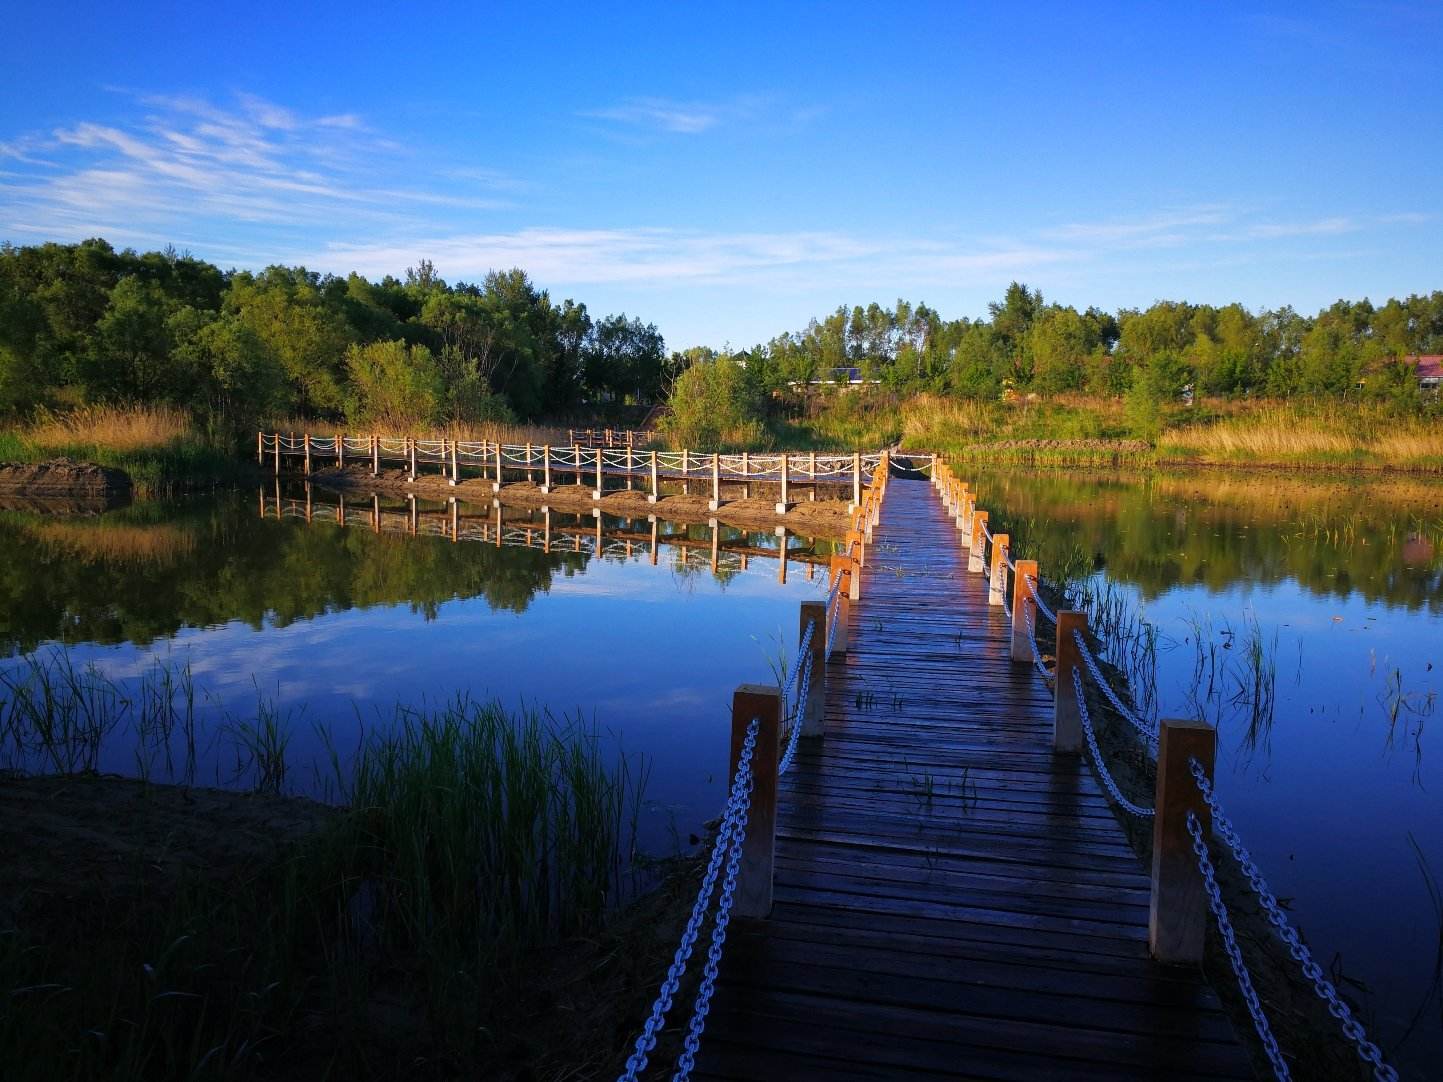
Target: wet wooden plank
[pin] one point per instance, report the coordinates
(952, 899)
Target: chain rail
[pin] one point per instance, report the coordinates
(1047, 674)
(1235, 955)
(1148, 730)
(1107, 780)
(701, 1006)
(741, 783)
(835, 609)
(797, 708)
(1037, 599)
(1352, 1028)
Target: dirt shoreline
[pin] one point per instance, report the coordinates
(819, 518)
(63, 477)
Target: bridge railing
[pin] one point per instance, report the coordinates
(583, 462)
(768, 722)
(1183, 806)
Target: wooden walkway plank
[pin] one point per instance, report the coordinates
(952, 900)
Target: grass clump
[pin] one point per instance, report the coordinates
(181, 933)
(160, 447)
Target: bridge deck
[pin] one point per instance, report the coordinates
(951, 898)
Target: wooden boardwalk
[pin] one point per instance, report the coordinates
(952, 899)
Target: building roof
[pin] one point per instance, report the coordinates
(1428, 365)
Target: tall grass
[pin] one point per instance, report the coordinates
(160, 447)
(403, 935)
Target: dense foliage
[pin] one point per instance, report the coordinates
(1027, 345)
(83, 323)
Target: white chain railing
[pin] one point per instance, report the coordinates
(1037, 599)
(796, 709)
(1235, 955)
(1146, 729)
(1102, 771)
(732, 830)
(1326, 991)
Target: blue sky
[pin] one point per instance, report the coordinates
(729, 171)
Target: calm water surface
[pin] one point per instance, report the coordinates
(1338, 788)
(642, 630)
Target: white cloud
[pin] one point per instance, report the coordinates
(1147, 227)
(1325, 227)
(686, 118)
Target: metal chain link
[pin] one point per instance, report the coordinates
(1352, 1028)
(702, 1005)
(636, 1062)
(1037, 597)
(1127, 805)
(1047, 674)
(1148, 730)
(1235, 955)
(801, 704)
(835, 608)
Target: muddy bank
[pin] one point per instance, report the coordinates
(64, 478)
(820, 518)
(72, 841)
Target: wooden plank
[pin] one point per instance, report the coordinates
(952, 899)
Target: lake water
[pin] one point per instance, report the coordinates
(1337, 789)
(642, 629)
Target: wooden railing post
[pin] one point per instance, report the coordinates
(455, 463)
(959, 509)
(715, 503)
(841, 566)
(1178, 913)
(278, 454)
(854, 575)
(546, 469)
(997, 586)
(600, 487)
(340, 452)
(1023, 609)
(811, 712)
(375, 455)
(856, 481)
(261, 451)
(1066, 717)
(762, 702)
(496, 486)
(655, 489)
(306, 440)
(411, 456)
(782, 506)
(976, 551)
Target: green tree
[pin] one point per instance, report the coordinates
(395, 386)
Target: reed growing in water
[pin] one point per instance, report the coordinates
(400, 934)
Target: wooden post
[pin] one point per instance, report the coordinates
(546, 530)
(810, 714)
(997, 588)
(455, 464)
(376, 512)
(496, 488)
(812, 472)
(782, 555)
(455, 518)
(546, 469)
(762, 702)
(306, 438)
(411, 456)
(1023, 607)
(655, 490)
(715, 503)
(260, 450)
(715, 544)
(782, 507)
(308, 504)
(278, 454)
(976, 549)
(655, 537)
(854, 577)
(856, 481)
(1066, 718)
(960, 510)
(496, 505)
(1178, 913)
(415, 516)
(630, 465)
(341, 508)
(597, 494)
(841, 567)
(375, 456)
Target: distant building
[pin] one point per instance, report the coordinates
(1428, 368)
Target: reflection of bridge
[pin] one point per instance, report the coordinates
(594, 465)
(921, 869)
(723, 550)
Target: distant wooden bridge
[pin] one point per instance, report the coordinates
(936, 883)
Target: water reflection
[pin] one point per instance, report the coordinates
(1376, 538)
(143, 573)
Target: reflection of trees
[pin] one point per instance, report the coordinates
(1382, 540)
(233, 566)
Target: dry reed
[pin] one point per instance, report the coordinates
(118, 428)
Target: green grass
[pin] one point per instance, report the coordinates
(403, 937)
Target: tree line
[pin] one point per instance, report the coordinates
(1028, 345)
(84, 323)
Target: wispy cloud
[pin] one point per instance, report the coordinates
(674, 117)
(668, 256)
(1143, 228)
(1323, 227)
(188, 166)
